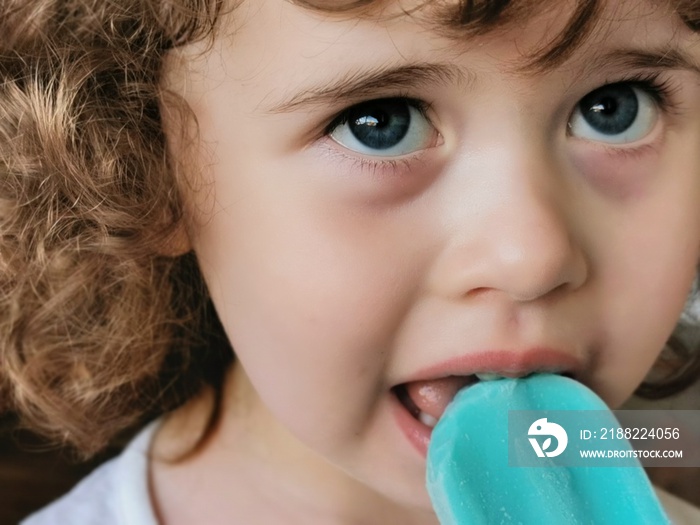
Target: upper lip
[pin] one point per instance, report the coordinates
(507, 363)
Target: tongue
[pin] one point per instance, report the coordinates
(433, 396)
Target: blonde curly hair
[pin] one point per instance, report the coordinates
(99, 325)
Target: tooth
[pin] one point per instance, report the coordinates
(488, 377)
(427, 419)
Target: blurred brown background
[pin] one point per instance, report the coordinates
(33, 474)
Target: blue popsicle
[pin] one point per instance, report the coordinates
(470, 482)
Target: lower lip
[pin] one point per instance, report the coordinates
(416, 432)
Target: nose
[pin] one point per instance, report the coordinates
(515, 232)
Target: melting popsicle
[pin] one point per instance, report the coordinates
(471, 483)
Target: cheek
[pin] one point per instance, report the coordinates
(309, 297)
(643, 321)
(646, 271)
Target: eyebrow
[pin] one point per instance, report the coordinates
(367, 84)
(665, 58)
(360, 85)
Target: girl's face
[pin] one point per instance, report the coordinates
(382, 208)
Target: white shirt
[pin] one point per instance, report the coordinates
(117, 493)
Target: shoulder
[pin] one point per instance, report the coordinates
(116, 493)
(679, 511)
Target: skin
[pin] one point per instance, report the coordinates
(337, 279)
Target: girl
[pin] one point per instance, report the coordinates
(383, 199)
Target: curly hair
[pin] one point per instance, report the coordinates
(99, 325)
(92, 322)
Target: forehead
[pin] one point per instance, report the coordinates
(560, 27)
(277, 48)
(570, 21)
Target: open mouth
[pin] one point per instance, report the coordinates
(401, 392)
(427, 400)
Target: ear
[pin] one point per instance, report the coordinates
(177, 243)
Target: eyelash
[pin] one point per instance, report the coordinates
(342, 118)
(376, 167)
(662, 91)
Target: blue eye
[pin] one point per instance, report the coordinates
(385, 128)
(616, 114)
